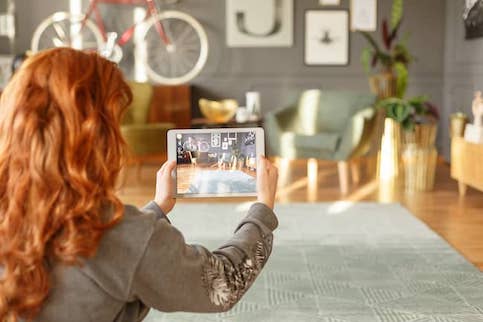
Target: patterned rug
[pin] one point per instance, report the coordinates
(337, 262)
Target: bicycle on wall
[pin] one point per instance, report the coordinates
(175, 44)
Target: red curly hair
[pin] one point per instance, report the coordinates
(61, 151)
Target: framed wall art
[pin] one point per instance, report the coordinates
(255, 23)
(326, 37)
(473, 19)
(364, 15)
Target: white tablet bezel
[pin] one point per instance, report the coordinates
(172, 155)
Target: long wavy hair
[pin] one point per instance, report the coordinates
(61, 151)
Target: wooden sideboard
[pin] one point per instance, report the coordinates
(171, 104)
(465, 164)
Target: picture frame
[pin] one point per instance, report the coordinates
(327, 38)
(364, 15)
(472, 19)
(254, 23)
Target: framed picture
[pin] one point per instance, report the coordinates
(364, 15)
(326, 37)
(215, 140)
(255, 23)
(472, 16)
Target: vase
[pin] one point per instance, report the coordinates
(388, 158)
(389, 174)
(419, 157)
(383, 85)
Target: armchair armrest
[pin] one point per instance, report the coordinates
(275, 123)
(146, 139)
(357, 135)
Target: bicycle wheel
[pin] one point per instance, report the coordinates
(183, 58)
(65, 30)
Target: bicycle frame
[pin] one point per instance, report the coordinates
(128, 33)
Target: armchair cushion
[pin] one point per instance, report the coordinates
(337, 108)
(323, 141)
(137, 112)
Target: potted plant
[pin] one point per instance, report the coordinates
(417, 118)
(391, 57)
(410, 112)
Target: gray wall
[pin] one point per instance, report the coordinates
(279, 73)
(463, 69)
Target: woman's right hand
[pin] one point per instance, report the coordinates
(267, 177)
(164, 196)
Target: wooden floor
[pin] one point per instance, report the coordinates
(459, 220)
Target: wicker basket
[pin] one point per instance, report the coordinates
(419, 156)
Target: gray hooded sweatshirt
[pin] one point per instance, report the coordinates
(144, 262)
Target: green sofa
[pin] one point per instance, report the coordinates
(327, 125)
(146, 141)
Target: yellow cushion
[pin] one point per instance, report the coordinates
(137, 112)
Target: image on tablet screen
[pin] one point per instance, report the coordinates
(216, 163)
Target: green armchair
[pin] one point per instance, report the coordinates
(146, 141)
(328, 125)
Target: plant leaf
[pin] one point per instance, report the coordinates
(431, 110)
(385, 35)
(371, 41)
(408, 124)
(396, 12)
(375, 58)
(402, 79)
(401, 54)
(394, 32)
(366, 58)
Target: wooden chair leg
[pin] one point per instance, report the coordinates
(355, 172)
(283, 165)
(343, 167)
(462, 188)
(313, 179)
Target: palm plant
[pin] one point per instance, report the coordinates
(393, 55)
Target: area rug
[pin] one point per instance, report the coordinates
(337, 262)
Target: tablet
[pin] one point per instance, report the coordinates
(215, 162)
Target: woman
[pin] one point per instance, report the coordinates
(69, 250)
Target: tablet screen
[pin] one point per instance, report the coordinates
(217, 163)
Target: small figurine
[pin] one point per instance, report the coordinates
(477, 108)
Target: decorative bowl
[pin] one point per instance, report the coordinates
(218, 111)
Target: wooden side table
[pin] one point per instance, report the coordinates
(465, 164)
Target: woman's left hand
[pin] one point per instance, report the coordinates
(164, 187)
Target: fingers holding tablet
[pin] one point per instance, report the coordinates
(267, 177)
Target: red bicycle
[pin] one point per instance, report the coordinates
(171, 44)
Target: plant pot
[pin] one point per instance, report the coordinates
(419, 157)
(383, 85)
(457, 125)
